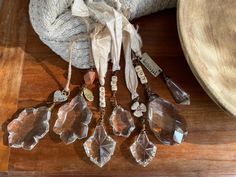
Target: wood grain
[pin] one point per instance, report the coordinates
(0, 4)
(210, 149)
(208, 35)
(12, 43)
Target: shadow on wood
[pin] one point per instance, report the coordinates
(30, 72)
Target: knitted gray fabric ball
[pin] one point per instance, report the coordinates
(53, 22)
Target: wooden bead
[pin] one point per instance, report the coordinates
(138, 68)
(101, 89)
(102, 94)
(114, 88)
(143, 80)
(114, 78)
(113, 83)
(102, 104)
(141, 74)
(102, 98)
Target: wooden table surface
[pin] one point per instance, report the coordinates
(30, 72)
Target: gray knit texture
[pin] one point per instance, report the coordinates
(56, 27)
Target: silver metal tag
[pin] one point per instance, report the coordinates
(151, 66)
(60, 96)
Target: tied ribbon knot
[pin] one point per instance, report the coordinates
(111, 31)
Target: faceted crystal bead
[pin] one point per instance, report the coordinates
(143, 150)
(73, 120)
(100, 147)
(29, 127)
(178, 94)
(121, 122)
(165, 122)
(89, 77)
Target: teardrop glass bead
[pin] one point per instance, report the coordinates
(89, 77)
(165, 122)
(143, 150)
(31, 125)
(73, 120)
(180, 96)
(122, 122)
(100, 147)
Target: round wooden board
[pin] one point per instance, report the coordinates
(207, 30)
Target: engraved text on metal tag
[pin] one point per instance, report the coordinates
(151, 66)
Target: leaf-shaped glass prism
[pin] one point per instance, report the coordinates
(29, 127)
(178, 93)
(122, 122)
(100, 147)
(166, 122)
(143, 150)
(73, 120)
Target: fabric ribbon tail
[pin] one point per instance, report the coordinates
(80, 9)
(130, 73)
(101, 46)
(136, 41)
(112, 19)
(131, 42)
(111, 27)
(118, 39)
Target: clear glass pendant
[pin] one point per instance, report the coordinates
(100, 147)
(143, 150)
(164, 119)
(32, 124)
(180, 96)
(73, 120)
(29, 127)
(122, 122)
(165, 122)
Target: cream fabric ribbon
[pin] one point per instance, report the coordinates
(107, 36)
(101, 43)
(112, 29)
(131, 42)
